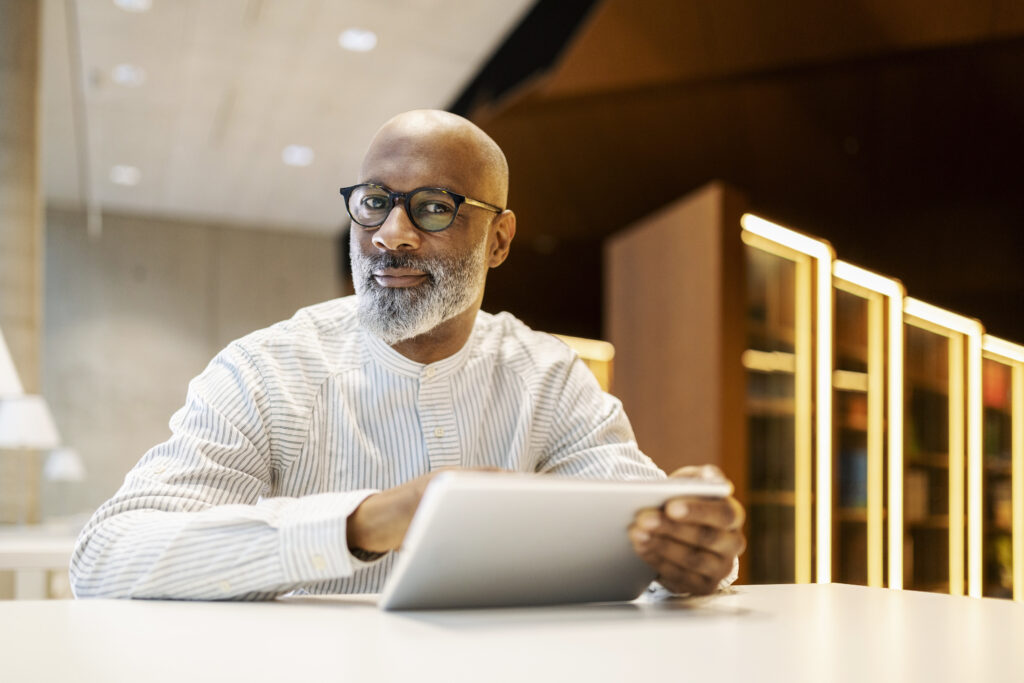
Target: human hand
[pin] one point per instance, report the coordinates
(691, 541)
(380, 522)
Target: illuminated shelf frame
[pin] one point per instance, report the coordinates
(807, 253)
(956, 328)
(879, 291)
(1011, 354)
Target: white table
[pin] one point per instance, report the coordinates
(31, 553)
(759, 633)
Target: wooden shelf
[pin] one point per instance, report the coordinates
(999, 467)
(787, 498)
(770, 406)
(852, 514)
(930, 460)
(930, 522)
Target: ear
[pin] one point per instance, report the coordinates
(503, 229)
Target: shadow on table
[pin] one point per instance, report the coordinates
(593, 613)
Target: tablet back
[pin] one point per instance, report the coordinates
(500, 539)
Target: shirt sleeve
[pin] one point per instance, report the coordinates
(194, 519)
(590, 435)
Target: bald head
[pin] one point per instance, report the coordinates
(440, 146)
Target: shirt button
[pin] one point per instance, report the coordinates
(430, 372)
(319, 563)
(439, 432)
(224, 586)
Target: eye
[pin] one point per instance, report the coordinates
(434, 208)
(373, 202)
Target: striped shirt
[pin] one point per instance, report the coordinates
(290, 428)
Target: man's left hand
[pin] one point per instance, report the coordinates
(692, 542)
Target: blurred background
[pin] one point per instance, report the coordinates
(169, 168)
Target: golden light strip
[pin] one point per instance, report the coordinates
(956, 464)
(1013, 354)
(1017, 478)
(823, 255)
(876, 437)
(954, 325)
(803, 399)
(893, 291)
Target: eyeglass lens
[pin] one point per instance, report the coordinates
(429, 210)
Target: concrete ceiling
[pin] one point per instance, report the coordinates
(229, 84)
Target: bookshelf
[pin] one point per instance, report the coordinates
(849, 415)
(942, 439)
(789, 303)
(1001, 498)
(867, 419)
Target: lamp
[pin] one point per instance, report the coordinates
(64, 465)
(25, 420)
(26, 424)
(9, 382)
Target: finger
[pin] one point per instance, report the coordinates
(683, 579)
(679, 580)
(728, 543)
(660, 552)
(691, 558)
(721, 513)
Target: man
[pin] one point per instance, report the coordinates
(303, 449)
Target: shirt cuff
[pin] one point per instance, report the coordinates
(313, 539)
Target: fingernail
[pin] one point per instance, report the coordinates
(648, 522)
(677, 509)
(641, 536)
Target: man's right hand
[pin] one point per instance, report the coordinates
(380, 522)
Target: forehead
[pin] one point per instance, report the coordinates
(405, 161)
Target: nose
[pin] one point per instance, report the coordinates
(397, 233)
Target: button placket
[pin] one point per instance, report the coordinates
(437, 420)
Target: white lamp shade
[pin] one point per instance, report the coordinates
(64, 464)
(26, 422)
(10, 385)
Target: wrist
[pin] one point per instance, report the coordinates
(367, 526)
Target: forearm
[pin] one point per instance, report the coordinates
(222, 552)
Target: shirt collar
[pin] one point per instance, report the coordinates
(395, 362)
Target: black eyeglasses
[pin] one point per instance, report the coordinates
(431, 209)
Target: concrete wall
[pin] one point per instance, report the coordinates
(132, 316)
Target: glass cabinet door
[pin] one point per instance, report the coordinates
(770, 361)
(926, 468)
(850, 436)
(788, 402)
(942, 447)
(867, 383)
(1002, 471)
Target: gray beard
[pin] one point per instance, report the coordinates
(395, 314)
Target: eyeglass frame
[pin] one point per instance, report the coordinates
(460, 199)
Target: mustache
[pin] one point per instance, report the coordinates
(381, 261)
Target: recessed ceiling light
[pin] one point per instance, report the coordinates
(125, 175)
(297, 155)
(357, 39)
(128, 74)
(134, 5)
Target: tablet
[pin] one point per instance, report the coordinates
(491, 539)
